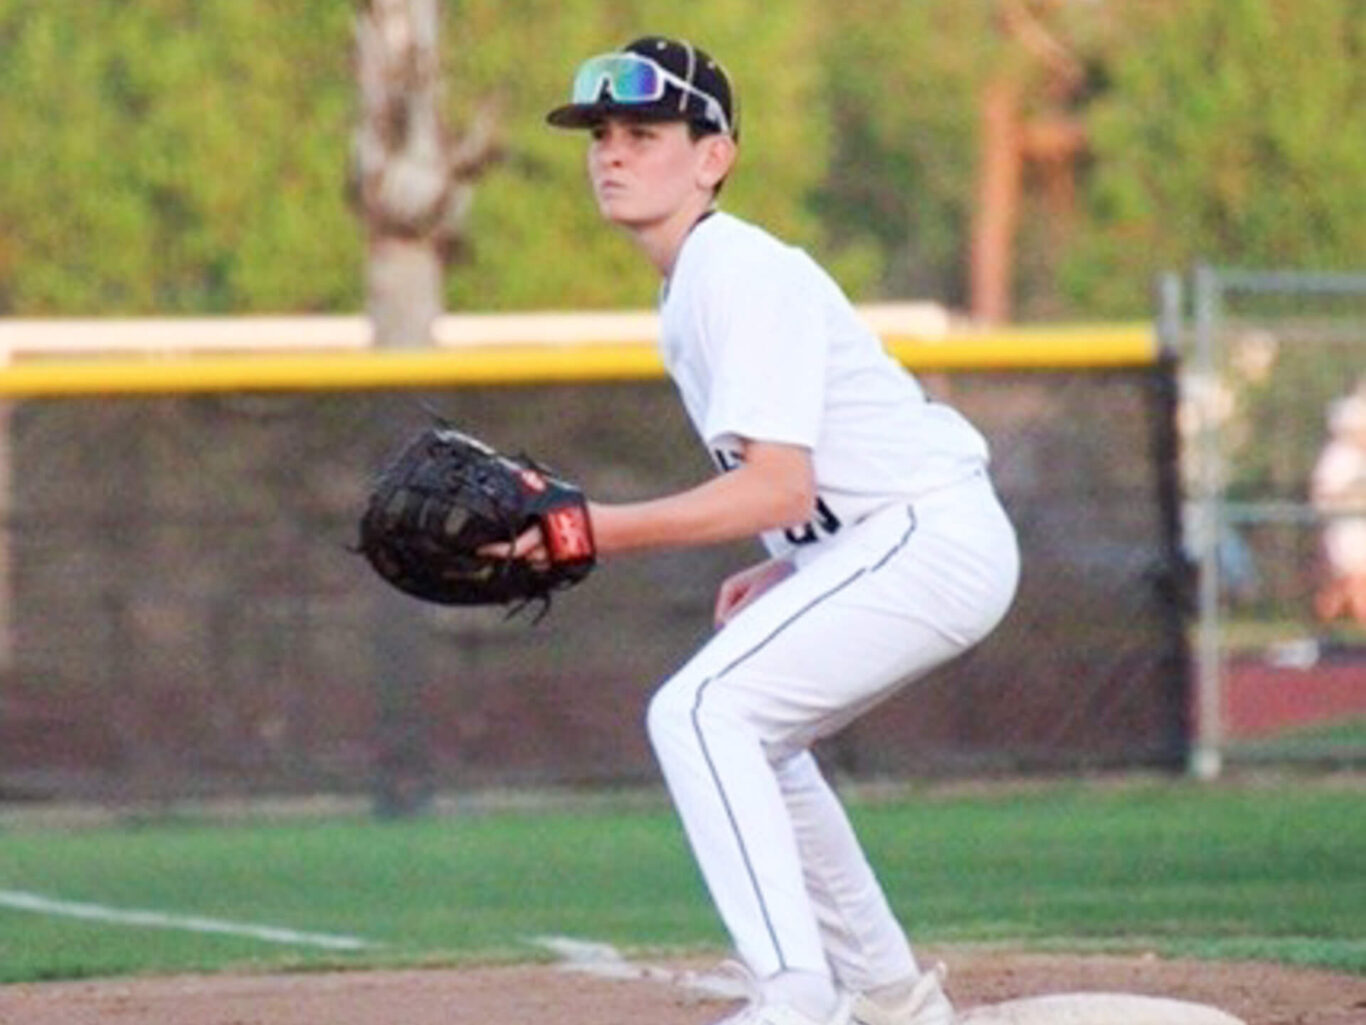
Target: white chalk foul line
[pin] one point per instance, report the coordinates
(20, 901)
(604, 961)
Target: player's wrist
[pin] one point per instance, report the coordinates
(613, 528)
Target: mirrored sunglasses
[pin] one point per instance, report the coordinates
(631, 78)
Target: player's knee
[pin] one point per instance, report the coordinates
(668, 716)
(681, 714)
(684, 718)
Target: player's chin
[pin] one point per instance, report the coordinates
(618, 208)
(614, 212)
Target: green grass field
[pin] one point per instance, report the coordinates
(1263, 871)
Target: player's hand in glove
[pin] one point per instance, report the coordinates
(529, 546)
(450, 520)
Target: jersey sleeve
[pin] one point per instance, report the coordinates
(766, 351)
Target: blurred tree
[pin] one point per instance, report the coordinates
(1230, 131)
(1026, 121)
(180, 156)
(899, 84)
(175, 156)
(959, 130)
(412, 184)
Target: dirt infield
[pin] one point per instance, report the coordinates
(539, 995)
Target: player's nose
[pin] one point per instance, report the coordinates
(609, 143)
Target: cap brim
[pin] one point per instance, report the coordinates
(586, 115)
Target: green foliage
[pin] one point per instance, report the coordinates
(1233, 132)
(184, 156)
(175, 156)
(899, 89)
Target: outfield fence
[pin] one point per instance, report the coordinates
(1275, 471)
(184, 616)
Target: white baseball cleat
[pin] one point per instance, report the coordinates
(925, 1004)
(758, 1011)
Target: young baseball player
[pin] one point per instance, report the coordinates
(888, 551)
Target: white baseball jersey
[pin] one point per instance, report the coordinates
(763, 345)
(909, 561)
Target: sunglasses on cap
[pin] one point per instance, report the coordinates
(631, 78)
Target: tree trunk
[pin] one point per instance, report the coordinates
(403, 289)
(1011, 135)
(998, 202)
(410, 182)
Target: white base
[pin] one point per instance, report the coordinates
(1096, 1009)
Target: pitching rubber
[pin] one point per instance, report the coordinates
(1096, 1009)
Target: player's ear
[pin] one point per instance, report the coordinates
(718, 157)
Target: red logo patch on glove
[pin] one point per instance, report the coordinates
(568, 537)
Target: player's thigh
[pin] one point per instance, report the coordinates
(842, 632)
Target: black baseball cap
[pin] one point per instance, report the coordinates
(652, 78)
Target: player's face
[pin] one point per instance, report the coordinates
(645, 172)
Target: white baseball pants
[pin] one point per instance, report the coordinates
(882, 603)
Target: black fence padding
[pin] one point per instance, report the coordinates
(186, 617)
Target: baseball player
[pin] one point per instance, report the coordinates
(1338, 491)
(889, 553)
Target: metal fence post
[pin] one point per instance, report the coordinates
(1207, 752)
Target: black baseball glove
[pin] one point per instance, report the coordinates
(447, 495)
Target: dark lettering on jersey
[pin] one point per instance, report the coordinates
(824, 524)
(726, 459)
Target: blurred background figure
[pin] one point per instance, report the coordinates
(1338, 491)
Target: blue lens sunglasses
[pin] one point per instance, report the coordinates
(631, 78)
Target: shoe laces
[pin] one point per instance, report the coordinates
(926, 997)
(928, 988)
(929, 985)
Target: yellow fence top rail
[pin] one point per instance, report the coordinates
(1077, 347)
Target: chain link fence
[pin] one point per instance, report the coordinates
(185, 618)
(1274, 419)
